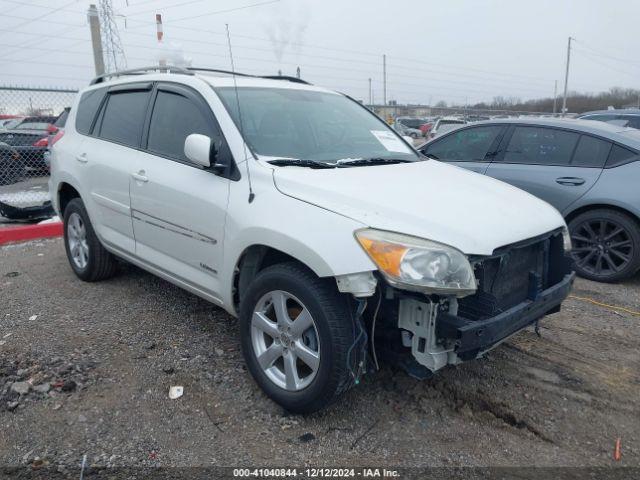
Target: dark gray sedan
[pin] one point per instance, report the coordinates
(588, 170)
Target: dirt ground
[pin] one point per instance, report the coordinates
(101, 357)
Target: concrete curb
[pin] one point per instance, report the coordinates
(30, 232)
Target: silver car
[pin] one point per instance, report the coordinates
(588, 170)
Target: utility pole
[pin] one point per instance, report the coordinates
(555, 97)
(96, 41)
(384, 79)
(566, 79)
(370, 94)
(111, 43)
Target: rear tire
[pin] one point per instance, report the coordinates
(606, 245)
(89, 260)
(331, 325)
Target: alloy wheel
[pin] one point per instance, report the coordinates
(77, 239)
(601, 247)
(285, 340)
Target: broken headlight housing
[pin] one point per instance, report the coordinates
(418, 264)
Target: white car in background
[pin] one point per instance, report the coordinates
(446, 124)
(336, 244)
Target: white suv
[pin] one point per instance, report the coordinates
(302, 213)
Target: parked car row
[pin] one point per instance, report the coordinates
(588, 170)
(337, 245)
(24, 146)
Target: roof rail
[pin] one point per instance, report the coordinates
(140, 71)
(216, 70)
(269, 77)
(189, 71)
(287, 78)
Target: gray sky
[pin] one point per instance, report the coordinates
(452, 50)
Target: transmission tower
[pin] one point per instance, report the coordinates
(114, 57)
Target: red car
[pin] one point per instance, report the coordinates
(425, 128)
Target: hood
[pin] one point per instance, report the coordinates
(427, 199)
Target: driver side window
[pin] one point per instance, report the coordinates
(468, 145)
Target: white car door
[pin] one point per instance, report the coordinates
(106, 159)
(179, 208)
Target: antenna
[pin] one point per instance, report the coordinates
(235, 86)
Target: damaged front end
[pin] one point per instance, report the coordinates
(515, 287)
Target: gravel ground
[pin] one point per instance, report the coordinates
(86, 369)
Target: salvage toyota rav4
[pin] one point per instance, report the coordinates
(301, 212)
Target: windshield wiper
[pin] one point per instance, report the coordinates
(370, 161)
(288, 162)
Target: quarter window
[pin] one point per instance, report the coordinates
(174, 118)
(540, 146)
(591, 152)
(124, 117)
(87, 108)
(620, 155)
(470, 145)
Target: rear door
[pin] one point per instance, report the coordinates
(556, 165)
(178, 207)
(106, 159)
(472, 148)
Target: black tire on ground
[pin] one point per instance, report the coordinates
(100, 264)
(609, 237)
(333, 318)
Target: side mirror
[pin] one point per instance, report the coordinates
(197, 148)
(408, 139)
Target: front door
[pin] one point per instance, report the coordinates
(471, 148)
(179, 208)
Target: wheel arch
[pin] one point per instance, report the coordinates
(66, 192)
(253, 260)
(597, 206)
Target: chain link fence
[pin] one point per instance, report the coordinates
(31, 119)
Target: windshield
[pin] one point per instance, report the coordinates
(310, 125)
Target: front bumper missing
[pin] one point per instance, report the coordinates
(470, 338)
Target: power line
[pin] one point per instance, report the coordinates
(217, 12)
(599, 62)
(39, 17)
(414, 61)
(602, 54)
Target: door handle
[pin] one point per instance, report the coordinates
(140, 176)
(570, 181)
(82, 158)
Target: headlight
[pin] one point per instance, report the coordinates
(418, 264)
(566, 239)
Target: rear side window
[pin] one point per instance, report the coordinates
(540, 146)
(591, 152)
(123, 117)
(88, 107)
(174, 118)
(470, 145)
(620, 155)
(634, 122)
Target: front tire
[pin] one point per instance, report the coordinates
(606, 245)
(89, 260)
(295, 331)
